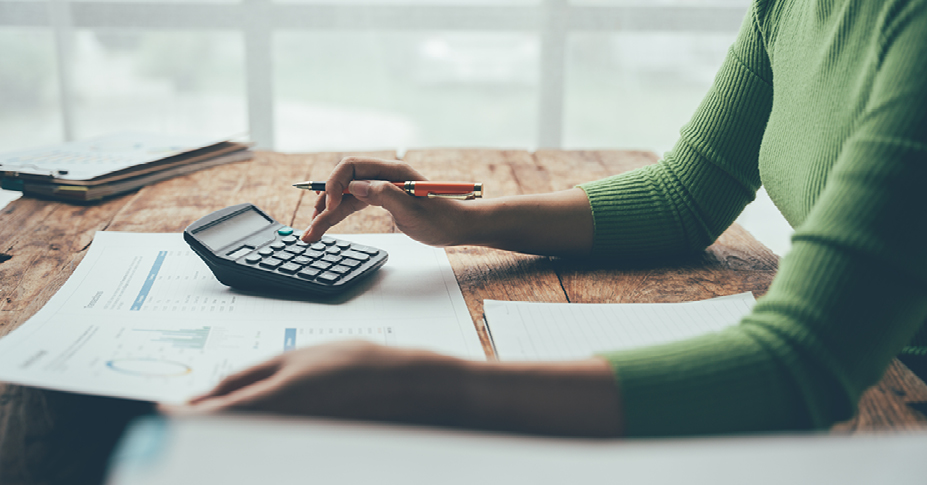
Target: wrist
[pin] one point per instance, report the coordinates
(436, 384)
(557, 223)
(474, 225)
(576, 398)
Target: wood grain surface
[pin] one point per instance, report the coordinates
(56, 437)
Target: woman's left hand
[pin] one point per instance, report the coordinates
(353, 379)
(360, 380)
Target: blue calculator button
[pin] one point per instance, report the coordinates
(285, 231)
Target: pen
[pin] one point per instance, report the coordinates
(420, 188)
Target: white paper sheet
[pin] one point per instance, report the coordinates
(86, 159)
(220, 449)
(142, 317)
(564, 331)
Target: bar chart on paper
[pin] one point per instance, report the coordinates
(143, 317)
(164, 281)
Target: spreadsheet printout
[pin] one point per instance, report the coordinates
(142, 317)
(565, 331)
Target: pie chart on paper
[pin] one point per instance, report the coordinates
(149, 367)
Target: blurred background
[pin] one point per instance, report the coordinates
(308, 75)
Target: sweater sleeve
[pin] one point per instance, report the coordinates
(683, 203)
(848, 296)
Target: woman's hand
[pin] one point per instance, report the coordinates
(359, 380)
(555, 223)
(438, 222)
(352, 379)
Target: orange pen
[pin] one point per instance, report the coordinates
(420, 188)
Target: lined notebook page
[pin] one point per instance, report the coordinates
(563, 331)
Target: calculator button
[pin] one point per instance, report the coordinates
(339, 269)
(277, 245)
(289, 268)
(309, 253)
(321, 265)
(328, 241)
(318, 246)
(289, 239)
(265, 251)
(294, 249)
(253, 258)
(301, 244)
(355, 255)
(285, 231)
(271, 263)
(332, 258)
(364, 249)
(350, 263)
(328, 277)
(332, 250)
(308, 273)
(301, 260)
(343, 244)
(283, 255)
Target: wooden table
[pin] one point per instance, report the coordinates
(52, 436)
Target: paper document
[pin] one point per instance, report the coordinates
(142, 317)
(220, 449)
(86, 159)
(564, 331)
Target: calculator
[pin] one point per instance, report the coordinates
(246, 248)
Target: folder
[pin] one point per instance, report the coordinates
(97, 168)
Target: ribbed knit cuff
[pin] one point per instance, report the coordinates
(632, 219)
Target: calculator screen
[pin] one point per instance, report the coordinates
(230, 230)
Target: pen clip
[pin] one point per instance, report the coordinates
(470, 196)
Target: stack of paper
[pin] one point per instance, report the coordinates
(103, 167)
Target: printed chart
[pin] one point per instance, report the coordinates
(143, 317)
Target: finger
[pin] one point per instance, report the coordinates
(317, 208)
(262, 395)
(361, 168)
(383, 194)
(241, 379)
(328, 218)
(319, 205)
(170, 409)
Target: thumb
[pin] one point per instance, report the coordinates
(380, 193)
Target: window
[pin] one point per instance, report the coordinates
(361, 74)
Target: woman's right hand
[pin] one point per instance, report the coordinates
(438, 222)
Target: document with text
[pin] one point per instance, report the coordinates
(565, 331)
(142, 317)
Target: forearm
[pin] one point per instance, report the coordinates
(557, 223)
(578, 398)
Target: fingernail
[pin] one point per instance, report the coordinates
(359, 188)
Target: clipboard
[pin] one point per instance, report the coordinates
(97, 168)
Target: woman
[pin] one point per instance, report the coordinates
(824, 103)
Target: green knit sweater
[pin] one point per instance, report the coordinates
(824, 102)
